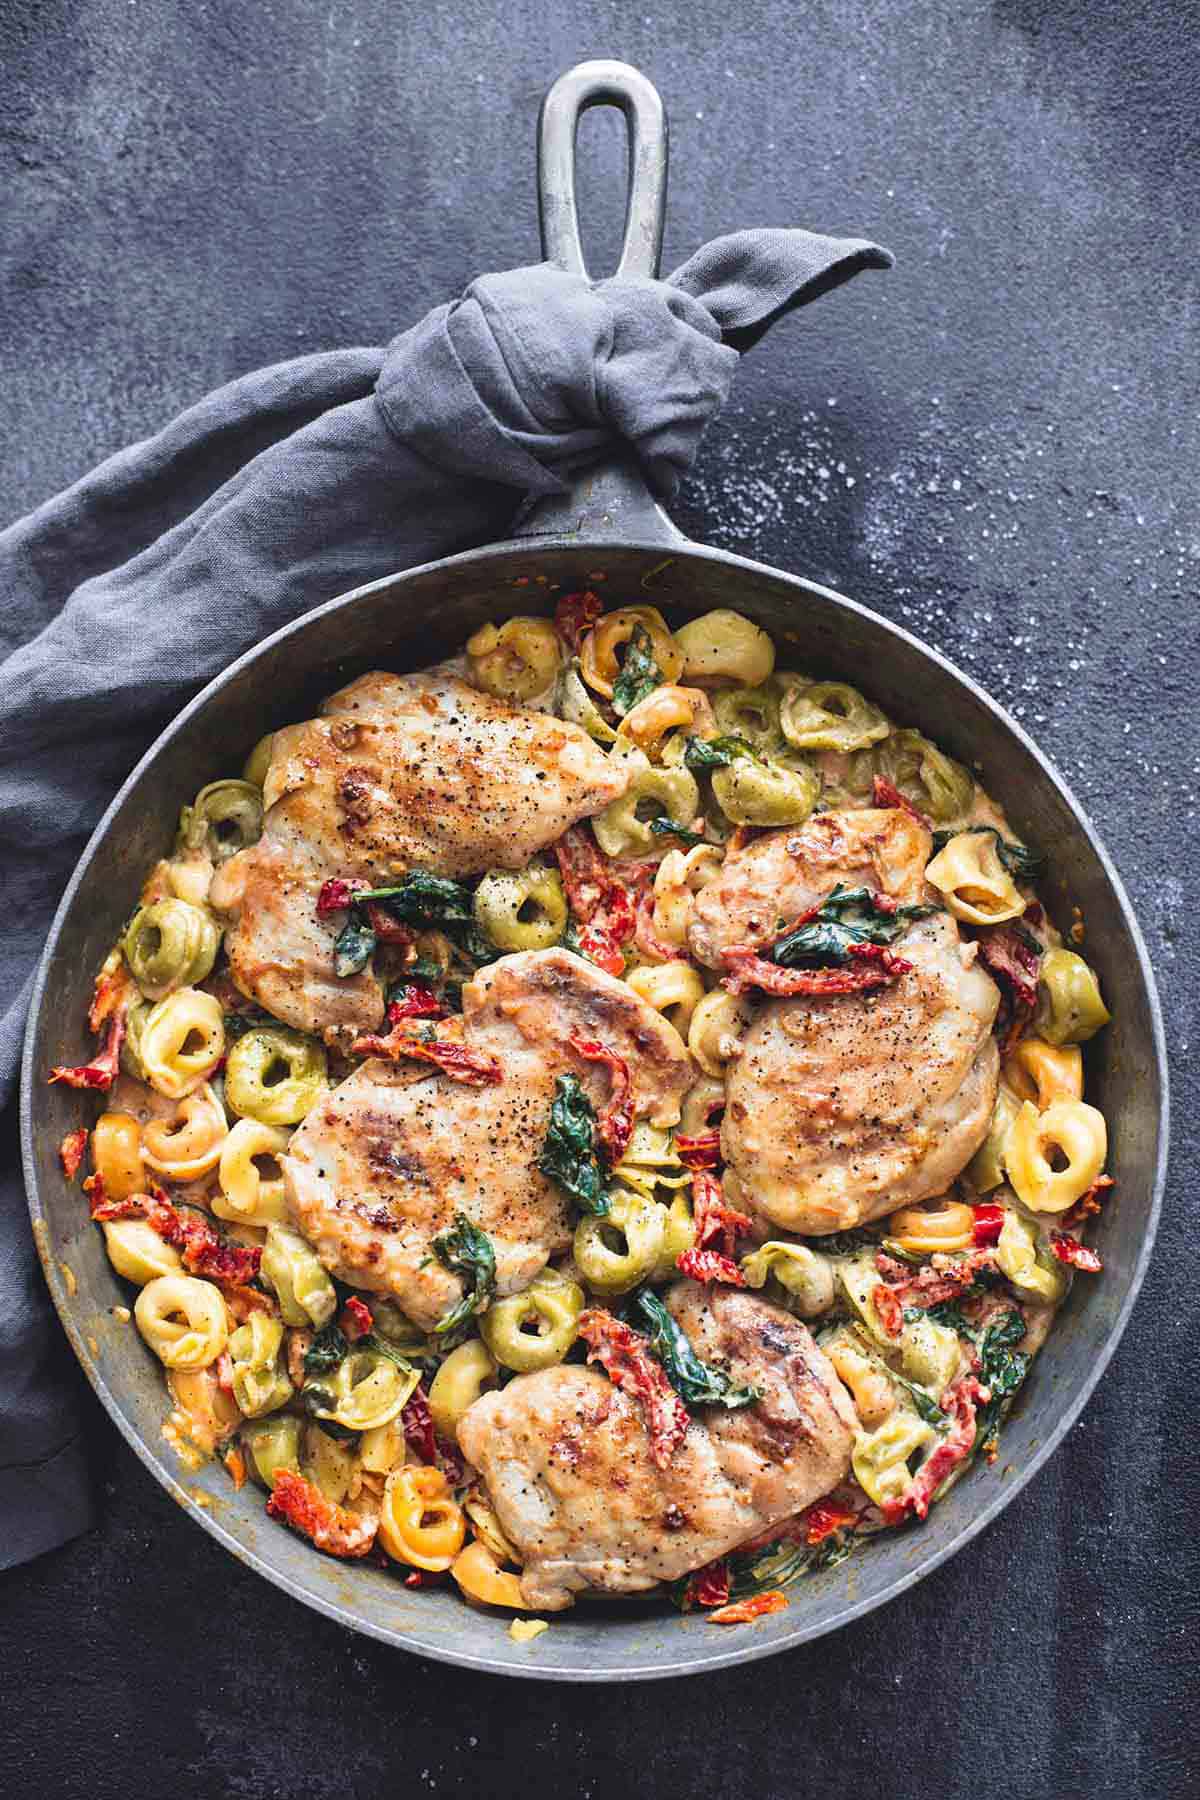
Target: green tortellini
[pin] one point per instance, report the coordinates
(259, 761)
(135, 1024)
(170, 944)
(224, 818)
(934, 782)
(623, 828)
(1070, 1009)
(925, 1351)
(830, 715)
(804, 1274)
(751, 714)
(367, 1389)
(615, 1252)
(274, 1075)
(985, 1170)
(679, 1235)
(259, 1384)
(460, 1380)
(1021, 1256)
(534, 1329)
(272, 1444)
(576, 705)
(522, 910)
(750, 792)
(295, 1276)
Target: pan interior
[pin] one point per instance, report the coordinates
(407, 622)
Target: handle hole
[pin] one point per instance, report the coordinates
(602, 176)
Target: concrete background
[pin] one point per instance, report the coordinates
(996, 444)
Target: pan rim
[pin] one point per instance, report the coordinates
(922, 1564)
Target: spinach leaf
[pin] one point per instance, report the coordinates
(848, 1243)
(668, 828)
(703, 754)
(1021, 862)
(354, 946)
(422, 898)
(697, 1383)
(925, 1404)
(326, 1351)
(568, 1155)
(251, 1018)
(639, 675)
(466, 1251)
(847, 917)
(1002, 1367)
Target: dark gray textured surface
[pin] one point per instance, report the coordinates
(995, 444)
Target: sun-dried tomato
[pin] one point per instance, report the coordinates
(337, 895)
(387, 928)
(875, 967)
(1069, 1250)
(1013, 964)
(331, 1528)
(101, 1072)
(626, 1360)
(71, 1151)
(454, 1059)
(989, 1223)
(708, 1586)
(959, 1402)
(417, 1420)
(575, 614)
(614, 1126)
(1087, 1205)
(703, 1151)
(886, 793)
(709, 1265)
(824, 1519)
(354, 1320)
(601, 947)
(717, 1225)
(645, 938)
(755, 1606)
(888, 1310)
(415, 1000)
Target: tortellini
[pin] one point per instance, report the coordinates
(480, 1577)
(136, 1251)
(598, 651)
(679, 1235)
(974, 883)
(183, 1320)
(1070, 1010)
(935, 1225)
(985, 1170)
(117, 1155)
(274, 1075)
(293, 1272)
(182, 1041)
(576, 705)
(382, 1448)
(880, 1458)
(1019, 1256)
(650, 1161)
(272, 1444)
(1044, 1073)
(327, 1462)
(247, 1197)
(616, 1252)
(367, 1389)
(830, 715)
(679, 878)
(516, 660)
(750, 792)
(1070, 1132)
(534, 1329)
(934, 782)
(725, 646)
(522, 909)
(190, 1145)
(752, 714)
(170, 944)
(466, 1373)
(210, 1414)
(872, 1391)
(664, 710)
(259, 1384)
(674, 989)
(805, 1275)
(623, 828)
(420, 1522)
(716, 1029)
(259, 761)
(927, 1352)
(225, 817)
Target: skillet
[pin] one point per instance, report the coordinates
(607, 525)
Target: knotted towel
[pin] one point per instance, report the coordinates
(123, 595)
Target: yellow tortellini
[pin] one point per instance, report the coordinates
(274, 1075)
(367, 1389)
(752, 714)
(880, 1458)
(805, 1275)
(190, 876)
(1070, 1010)
(190, 1145)
(679, 878)
(985, 1170)
(516, 660)
(674, 989)
(725, 646)
(616, 1252)
(534, 1329)
(974, 883)
(225, 817)
(873, 1392)
(1044, 1073)
(650, 1161)
(701, 1104)
(466, 1373)
(934, 1225)
(830, 715)
(717, 1027)
(170, 944)
(679, 1235)
(1071, 1133)
(247, 1197)
(259, 761)
(272, 1444)
(382, 1448)
(478, 1574)
(1019, 1256)
(259, 1384)
(183, 1320)
(666, 709)
(934, 782)
(291, 1269)
(926, 1351)
(750, 792)
(181, 1042)
(623, 828)
(136, 1251)
(117, 1155)
(210, 1414)
(327, 1463)
(419, 1521)
(576, 705)
(598, 658)
(522, 910)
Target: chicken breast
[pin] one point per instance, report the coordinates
(387, 1159)
(566, 1461)
(840, 1109)
(766, 885)
(399, 772)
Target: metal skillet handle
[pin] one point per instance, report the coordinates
(612, 500)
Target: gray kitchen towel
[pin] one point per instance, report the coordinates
(125, 594)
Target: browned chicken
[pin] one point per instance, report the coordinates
(566, 1460)
(386, 1160)
(841, 1109)
(399, 772)
(766, 885)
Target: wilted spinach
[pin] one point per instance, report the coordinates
(568, 1155)
(697, 1383)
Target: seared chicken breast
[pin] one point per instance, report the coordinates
(386, 1160)
(399, 772)
(566, 1461)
